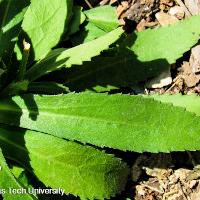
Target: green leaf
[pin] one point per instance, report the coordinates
(141, 56)
(80, 170)
(12, 13)
(74, 56)
(77, 19)
(47, 88)
(111, 72)
(190, 102)
(44, 22)
(118, 121)
(15, 88)
(168, 42)
(89, 33)
(101, 20)
(21, 176)
(17, 171)
(7, 181)
(104, 17)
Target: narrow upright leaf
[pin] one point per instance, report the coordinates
(118, 121)
(74, 56)
(44, 22)
(12, 12)
(8, 181)
(80, 170)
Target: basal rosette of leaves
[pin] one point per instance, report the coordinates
(52, 50)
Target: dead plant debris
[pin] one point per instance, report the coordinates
(164, 181)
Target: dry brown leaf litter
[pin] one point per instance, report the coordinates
(164, 181)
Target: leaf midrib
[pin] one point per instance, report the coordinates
(79, 117)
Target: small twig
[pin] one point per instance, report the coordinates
(182, 5)
(146, 91)
(88, 3)
(153, 188)
(169, 193)
(25, 55)
(180, 187)
(104, 2)
(179, 79)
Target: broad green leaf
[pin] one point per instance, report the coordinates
(44, 22)
(89, 33)
(78, 169)
(101, 20)
(77, 19)
(8, 181)
(118, 121)
(12, 12)
(141, 56)
(190, 102)
(104, 17)
(168, 42)
(111, 72)
(74, 56)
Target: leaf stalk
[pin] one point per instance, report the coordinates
(25, 56)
